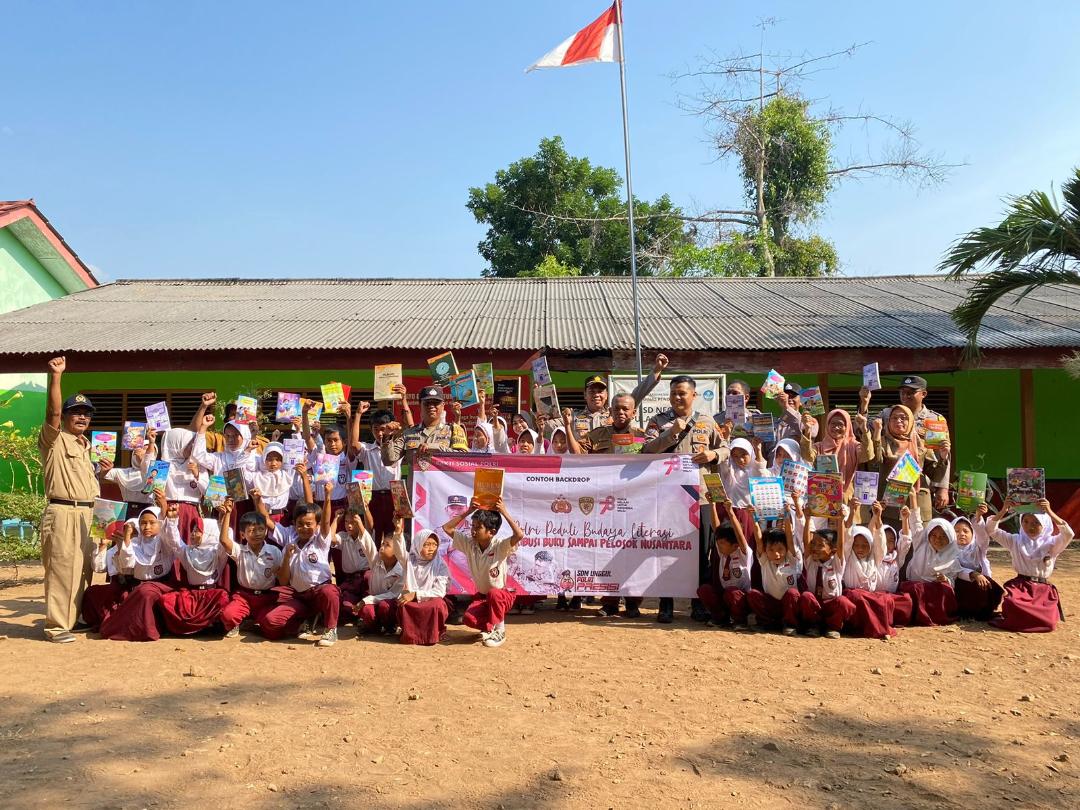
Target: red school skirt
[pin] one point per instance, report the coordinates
(933, 603)
(1029, 606)
(877, 613)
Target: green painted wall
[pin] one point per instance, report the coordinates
(23, 279)
(1057, 428)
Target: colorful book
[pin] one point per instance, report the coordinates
(442, 368)
(327, 467)
(334, 394)
(294, 452)
(105, 517)
(970, 491)
(735, 409)
(1025, 486)
(897, 494)
(795, 475)
(773, 385)
(157, 416)
(386, 377)
(764, 426)
(235, 487)
(402, 506)
(487, 486)
(288, 407)
(134, 435)
(485, 378)
(316, 409)
(364, 482)
(871, 377)
(102, 445)
(508, 395)
(906, 470)
(866, 486)
(825, 495)
(463, 388)
(812, 401)
(827, 463)
(156, 476)
(937, 432)
(767, 496)
(547, 401)
(626, 443)
(216, 491)
(247, 409)
(541, 374)
(714, 488)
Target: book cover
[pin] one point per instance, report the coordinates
(235, 487)
(102, 445)
(508, 395)
(247, 409)
(216, 491)
(463, 388)
(134, 435)
(485, 379)
(764, 426)
(487, 486)
(327, 467)
(714, 488)
(827, 463)
(333, 395)
(825, 495)
(907, 470)
(626, 443)
(386, 377)
(767, 496)
(541, 374)
(316, 409)
(970, 490)
(734, 408)
(1025, 486)
(442, 368)
(547, 401)
(773, 385)
(294, 452)
(795, 475)
(866, 486)
(896, 493)
(402, 506)
(157, 416)
(363, 481)
(937, 432)
(812, 401)
(871, 377)
(288, 407)
(156, 476)
(105, 516)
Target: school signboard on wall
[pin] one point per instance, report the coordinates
(710, 393)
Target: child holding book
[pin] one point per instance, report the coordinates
(487, 566)
(724, 595)
(150, 561)
(258, 565)
(978, 596)
(378, 610)
(423, 606)
(353, 577)
(203, 590)
(369, 457)
(186, 481)
(102, 599)
(1031, 603)
(822, 606)
(776, 602)
(273, 482)
(864, 585)
(931, 573)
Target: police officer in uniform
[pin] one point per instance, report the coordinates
(432, 435)
(684, 429)
(597, 413)
(71, 485)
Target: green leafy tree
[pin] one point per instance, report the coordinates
(1037, 243)
(554, 204)
(550, 267)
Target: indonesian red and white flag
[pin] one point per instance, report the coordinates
(596, 42)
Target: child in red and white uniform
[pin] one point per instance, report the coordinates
(724, 595)
(377, 611)
(864, 586)
(423, 605)
(187, 480)
(369, 457)
(102, 599)
(931, 573)
(355, 572)
(776, 604)
(150, 561)
(304, 578)
(823, 604)
(197, 602)
(273, 482)
(258, 564)
(979, 596)
(487, 566)
(745, 462)
(1031, 603)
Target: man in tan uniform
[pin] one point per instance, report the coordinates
(67, 551)
(597, 413)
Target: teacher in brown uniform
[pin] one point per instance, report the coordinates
(67, 551)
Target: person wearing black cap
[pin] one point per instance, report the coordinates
(934, 492)
(789, 425)
(597, 412)
(432, 435)
(71, 485)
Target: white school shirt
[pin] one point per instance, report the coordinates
(973, 555)
(121, 475)
(310, 565)
(738, 565)
(275, 501)
(737, 479)
(385, 583)
(146, 557)
(889, 570)
(202, 564)
(257, 572)
(105, 562)
(864, 574)
(369, 457)
(779, 579)
(218, 462)
(341, 486)
(181, 485)
(486, 566)
(832, 578)
(353, 558)
(1032, 557)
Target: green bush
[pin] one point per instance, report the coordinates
(25, 506)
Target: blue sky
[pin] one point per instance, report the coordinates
(339, 139)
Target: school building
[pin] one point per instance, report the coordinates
(133, 343)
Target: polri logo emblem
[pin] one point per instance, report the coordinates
(586, 505)
(561, 506)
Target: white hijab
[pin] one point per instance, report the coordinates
(553, 451)
(148, 550)
(234, 458)
(859, 573)
(203, 558)
(791, 447)
(489, 433)
(926, 563)
(272, 484)
(420, 574)
(968, 555)
(537, 447)
(1039, 546)
(174, 444)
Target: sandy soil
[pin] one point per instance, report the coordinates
(570, 712)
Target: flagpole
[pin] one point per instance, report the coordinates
(629, 188)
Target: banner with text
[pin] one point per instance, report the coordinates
(609, 525)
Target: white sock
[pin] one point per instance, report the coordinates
(501, 627)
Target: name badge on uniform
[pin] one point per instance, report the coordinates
(268, 572)
(312, 557)
(494, 572)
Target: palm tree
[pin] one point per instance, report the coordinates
(1037, 243)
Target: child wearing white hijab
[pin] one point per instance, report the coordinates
(978, 596)
(1031, 603)
(423, 605)
(187, 480)
(272, 481)
(865, 579)
(932, 572)
(237, 455)
(150, 561)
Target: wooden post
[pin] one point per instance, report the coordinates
(1027, 417)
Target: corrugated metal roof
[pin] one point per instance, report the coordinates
(581, 314)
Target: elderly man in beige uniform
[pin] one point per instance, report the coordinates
(597, 412)
(70, 486)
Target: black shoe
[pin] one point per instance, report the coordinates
(699, 614)
(665, 616)
(609, 611)
(454, 618)
(575, 603)
(562, 603)
(632, 612)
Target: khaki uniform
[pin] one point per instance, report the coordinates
(599, 439)
(67, 551)
(442, 436)
(700, 434)
(587, 420)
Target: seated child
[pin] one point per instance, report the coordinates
(258, 565)
(197, 602)
(977, 597)
(101, 599)
(378, 610)
(822, 605)
(931, 572)
(423, 605)
(150, 559)
(353, 576)
(864, 579)
(776, 603)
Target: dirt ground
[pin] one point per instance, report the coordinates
(570, 712)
